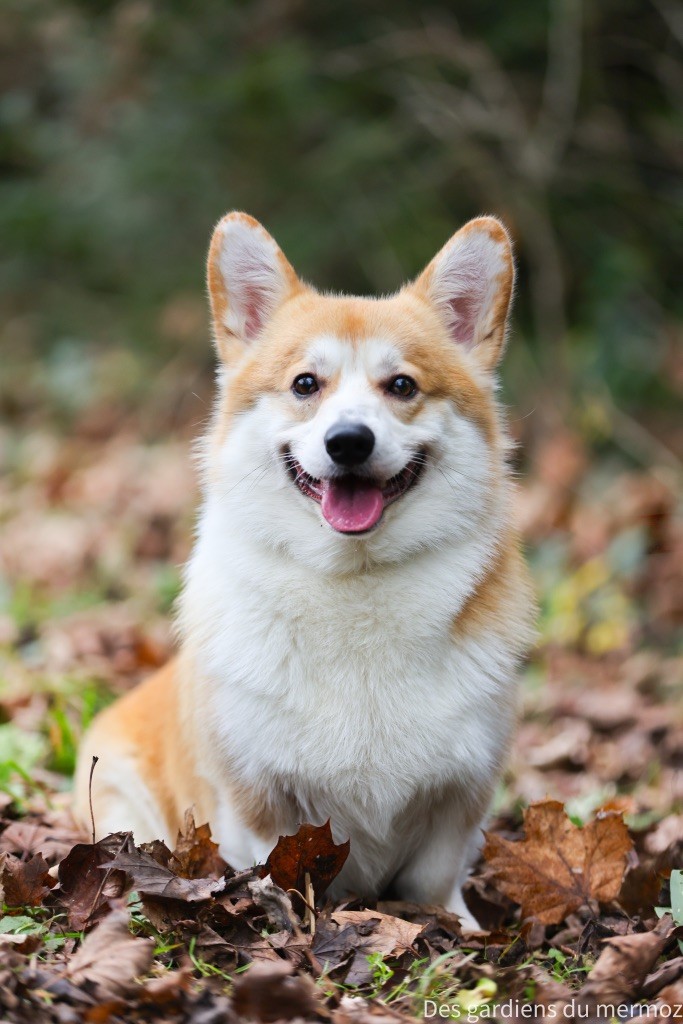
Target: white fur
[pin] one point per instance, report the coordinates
(333, 681)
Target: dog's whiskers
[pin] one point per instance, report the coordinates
(262, 466)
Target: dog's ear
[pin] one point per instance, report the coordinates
(470, 283)
(248, 278)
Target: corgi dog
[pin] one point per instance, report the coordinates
(356, 605)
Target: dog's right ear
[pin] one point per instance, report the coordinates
(248, 277)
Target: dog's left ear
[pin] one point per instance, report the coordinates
(470, 283)
(248, 278)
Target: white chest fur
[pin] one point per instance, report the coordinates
(348, 694)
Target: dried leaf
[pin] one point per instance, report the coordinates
(622, 967)
(85, 889)
(153, 879)
(27, 838)
(639, 893)
(311, 851)
(672, 998)
(270, 992)
(195, 854)
(274, 902)
(559, 867)
(334, 946)
(667, 973)
(22, 943)
(25, 883)
(390, 935)
(168, 988)
(110, 959)
(344, 939)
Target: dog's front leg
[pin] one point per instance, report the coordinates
(438, 868)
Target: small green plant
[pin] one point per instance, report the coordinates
(436, 980)
(206, 969)
(381, 971)
(21, 924)
(564, 967)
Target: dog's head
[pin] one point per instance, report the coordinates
(354, 430)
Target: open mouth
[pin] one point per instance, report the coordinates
(350, 503)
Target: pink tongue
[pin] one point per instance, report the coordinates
(351, 505)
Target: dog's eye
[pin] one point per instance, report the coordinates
(305, 384)
(402, 386)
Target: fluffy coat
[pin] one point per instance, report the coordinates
(367, 677)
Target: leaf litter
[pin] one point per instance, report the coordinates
(578, 887)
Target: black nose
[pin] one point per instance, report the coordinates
(349, 444)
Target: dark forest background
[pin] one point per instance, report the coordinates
(362, 134)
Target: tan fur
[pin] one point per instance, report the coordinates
(144, 726)
(430, 355)
(161, 738)
(508, 580)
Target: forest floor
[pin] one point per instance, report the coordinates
(585, 846)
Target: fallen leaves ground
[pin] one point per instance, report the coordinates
(586, 838)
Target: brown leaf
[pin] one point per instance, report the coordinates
(666, 974)
(558, 867)
(390, 935)
(276, 903)
(334, 946)
(26, 883)
(110, 959)
(85, 889)
(153, 879)
(270, 991)
(195, 854)
(27, 838)
(311, 851)
(159, 851)
(344, 939)
(168, 988)
(22, 943)
(639, 893)
(672, 997)
(623, 965)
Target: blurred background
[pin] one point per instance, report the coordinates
(362, 135)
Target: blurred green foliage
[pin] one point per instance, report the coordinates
(362, 134)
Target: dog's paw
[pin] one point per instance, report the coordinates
(468, 921)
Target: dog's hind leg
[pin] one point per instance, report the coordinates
(119, 798)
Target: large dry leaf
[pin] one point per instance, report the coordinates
(345, 938)
(558, 867)
(313, 852)
(153, 879)
(110, 959)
